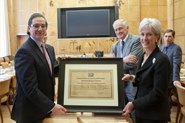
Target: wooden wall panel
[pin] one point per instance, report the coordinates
(133, 11)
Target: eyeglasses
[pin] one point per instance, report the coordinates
(36, 26)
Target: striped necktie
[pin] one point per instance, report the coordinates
(46, 55)
(165, 49)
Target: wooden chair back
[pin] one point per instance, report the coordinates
(12, 63)
(4, 86)
(1, 60)
(7, 59)
(4, 89)
(181, 97)
(13, 87)
(181, 92)
(4, 64)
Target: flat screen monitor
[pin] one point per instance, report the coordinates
(88, 22)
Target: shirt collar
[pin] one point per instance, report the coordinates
(37, 42)
(168, 45)
(125, 39)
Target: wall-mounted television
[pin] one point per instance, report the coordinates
(86, 22)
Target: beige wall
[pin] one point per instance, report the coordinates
(179, 23)
(133, 11)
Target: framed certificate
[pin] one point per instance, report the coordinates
(91, 85)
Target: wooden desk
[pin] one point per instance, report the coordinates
(182, 75)
(86, 118)
(7, 75)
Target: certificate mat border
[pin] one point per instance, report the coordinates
(81, 105)
(90, 102)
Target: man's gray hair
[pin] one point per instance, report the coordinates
(153, 24)
(121, 20)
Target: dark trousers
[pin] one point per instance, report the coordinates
(132, 114)
(169, 92)
(140, 120)
(36, 122)
(169, 97)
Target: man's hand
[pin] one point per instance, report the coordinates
(128, 108)
(176, 82)
(130, 59)
(112, 55)
(62, 57)
(58, 110)
(127, 77)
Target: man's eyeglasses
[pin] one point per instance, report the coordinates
(36, 26)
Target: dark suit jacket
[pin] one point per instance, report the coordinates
(35, 85)
(174, 54)
(152, 80)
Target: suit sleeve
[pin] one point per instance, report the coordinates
(113, 50)
(27, 77)
(177, 57)
(136, 50)
(56, 67)
(160, 82)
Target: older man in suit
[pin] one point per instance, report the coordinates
(129, 48)
(35, 68)
(174, 53)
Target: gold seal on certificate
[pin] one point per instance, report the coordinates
(91, 84)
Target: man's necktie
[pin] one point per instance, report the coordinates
(46, 55)
(122, 46)
(165, 49)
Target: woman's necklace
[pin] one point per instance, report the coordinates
(145, 58)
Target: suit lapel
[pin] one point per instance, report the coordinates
(170, 49)
(150, 61)
(40, 54)
(127, 45)
(140, 61)
(162, 48)
(118, 49)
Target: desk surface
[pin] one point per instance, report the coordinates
(182, 74)
(86, 118)
(8, 74)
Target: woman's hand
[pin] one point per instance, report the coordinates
(127, 77)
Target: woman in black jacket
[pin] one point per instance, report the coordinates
(152, 78)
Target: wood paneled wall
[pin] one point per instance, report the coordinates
(133, 11)
(179, 23)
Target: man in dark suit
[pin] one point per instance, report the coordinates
(129, 48)
(174, 53)
(35, 68)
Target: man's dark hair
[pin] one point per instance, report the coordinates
(33, 16)
(170, 30)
